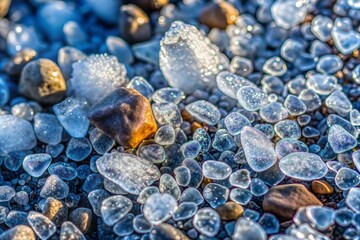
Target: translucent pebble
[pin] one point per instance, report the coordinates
(296, 85)
(204, 111)
(191, 195)
(321, 27)
(78, 149)
(340, 140)
(188, 59)
(42, 226)
(70, 231)
(195, 172)
(182, 175)
(259, 151)
(291, 49)
(201, 136)
(354, 4)
(294, 105)
(356, 159)
(267, 129)
(207, 222)
(190, 149)
(311, 99)
(350, 233)
(124, 227)
(275, 66)
(321, 83)
(23, 110)
(130, 172)
(229, 83)
(288, 129)
(356, 74)
(120, 49)
(16, 134)
(95, 198)
(269, 223)
(240, 178)
(347, 178)
(15, 218)
(72, 114)
(63, 170)
(334, 119)
(252, 98)
(101, 142)
(286, 146)
(319, 48)
(6, 193)
(185, 211)
(321, 217)
(47, 128)
(74, 34)
(167, 113)
(339, 102)
(13, 160)
(241, 66)
(114, 208)
(273, 112)
(310, 132)
(355, 117)
(235, 121)
(165, 135)
(216, 170)
(248, 229)
(96, 76)
(288, 13)
(141, 224)
(36, 164)
(108, 185)
(159, 207)
(345, 40)
(154, 153)
(343, 216)
(329, 64)
(303, 120)
(142, 86)
(215, 194)
(168, 185)
(54, 187)
(272, 176)
(19, 232)
(303, 166)
(168, 95)
(223, 141)
(148, 51)
(258, 187)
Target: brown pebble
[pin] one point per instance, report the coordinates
(4, 7)
(126, 116)
(186, 115)
(148, 5)
(55, 210)
(134, 24)
(42, 80)
(195, 125)
(284, 200)
(166, 231)
(230, 211)
(321, 187)
(81, 218)
(218, 15)
(17, 63)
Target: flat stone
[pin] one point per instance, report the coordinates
(284, 200)
(230, 211)
(321, 187)
(42, 80)
(218, 15)
(126, 116)
(55, 210)
(166, 231)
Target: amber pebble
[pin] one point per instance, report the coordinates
(134, 24)
(81, 218)
(4, 7)
(148, 5)
(230, 211)
(126, 116)
(321, 187)
(218, 15)
(16, 64)
(55, 210)
(42, 80)
(195, 125)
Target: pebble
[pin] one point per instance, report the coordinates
(69, 230)
(36, 164)
(321, 187)
(284, 200)
(218, 15)
(167, 231)
(4, 8)
(321, 217)
(275, 66)
(159, 207)
(229, 83)
(230, 211)
(132, 113)
(47, 128)
(288, 129)
(216, 170)
(321, 83)
(240, 196)
(19, 61)
(251, 98)
(54, 187)
(204, 111)
(185, 211)
(294, 105)
(42, 226)
(347, 178)
(338, 102)
(106, 12)
(66, 57)
(55, 210)
(42, 80)
(248, 229)
(130, 172)
(215, 194)
(7, 193)
(78, 149)
(114, 208)
(340, 140)
(234, 123)
(207, 222)
(19, 232)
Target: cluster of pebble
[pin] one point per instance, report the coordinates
(203, 120)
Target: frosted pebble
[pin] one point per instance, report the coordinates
(329, 64)
(241, 66)
(269, 223)
(291, 50)
(100, 141)
(347, 178)
(355, 117)
(340, 140)
(259, 151)
(275, 66)
(311, 99)
(191, 195)
(216, 170)
(182, 175)
(258, 187)
(215, 194)
(240, 178)
(321, 27)
(251, 98)
(286, 146)
(141, 224)
(120, 49)
(78, 149)
(124, 227)
(165, 135)
(6, 193)
(235, 121)
(273, 112)
(204, 111)
(36, 164)
(321, 83)
(169, 185)
(159, 207)
(338, 102)
(96, 197)
(288, 129)
(343, 216)
(190, 149)
(207, 221)
(70, 231)
(42, 226)
(130, 172)
(185, 211)
(345, 40)
(195, 172)
(114, 208)
(63, 170)
(47, 128)
(356, 159)
(303, 166)
(168, 95)
(146, 193)
(54, 187)
(321, 217)
(202, 137)
(167, 113)
(154, 153)
(229, 83)
(294, 105)
(248, 229)
(142, 86)
(223, 141)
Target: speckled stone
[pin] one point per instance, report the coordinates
(321, 187)
(230, 211)
(218, 15)
(126, 116)
(19, 232)
(42, 80)
(284, 200)
(55, 210)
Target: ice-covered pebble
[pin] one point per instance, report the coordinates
(230, 83)
(207, 221)
(204, 111)
(36, 164)
(114, 208)
(251, 98)
(340, 140)
(54, 187)
(159, 207)
(248, 229)
(216, 170)
(42, 226)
